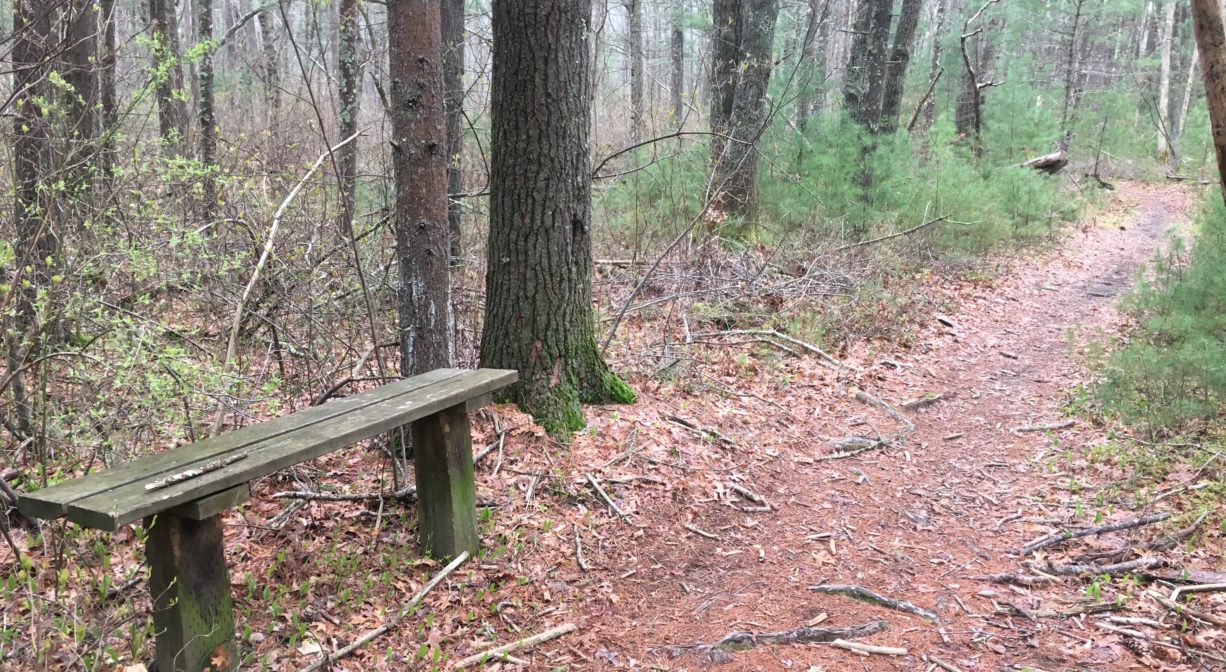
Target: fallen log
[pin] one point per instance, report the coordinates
(1048, 163)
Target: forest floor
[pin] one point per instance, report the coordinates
(726, 529)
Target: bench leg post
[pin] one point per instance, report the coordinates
(446, 495)
(190, 584)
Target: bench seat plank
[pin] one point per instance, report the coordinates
(53, 502)
(131, 501)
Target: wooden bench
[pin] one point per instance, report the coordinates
(181, 494)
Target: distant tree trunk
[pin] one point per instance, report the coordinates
(896, 67)
(419, 161)
(1164, 82)
(969, 114)
(811, 63)
(634, 39)
(350, 95)
(865, 86)
(206, 117)
(934, 68)
(172, 110)
(538, 308)
(272, 82)
(109, 101)
(1070, 81)
(743, 37)
(1190, 84)
(677, 56)
(1211, 41)
(453, 83)
(81, 73)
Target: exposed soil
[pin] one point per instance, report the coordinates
(694, 560)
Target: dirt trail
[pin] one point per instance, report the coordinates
(912, 521)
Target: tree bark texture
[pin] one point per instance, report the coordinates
(934, 67)
(1070, 74)
(109, 100)
(79, 69)
(865, 85)
(1164, 81)
(538, 308)
(1211, 42)
(896, 67)
(743, 34)
(453, 82)
(812, 61)
(634, 37)
(677, 57)
(419, 161)
(272, 83)
(206, 114)
(172, 110)
(350, 95)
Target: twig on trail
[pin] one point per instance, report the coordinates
(855, 445)
(940, 663)
(1099, 570)
(953, 437)
(866, 398)
(865, 595)
(866, 649)
(1048, 427)
(742, 639)
(579, 550)
(748, 494)
(525, 643)
(1136, 634)
(1201, 588)
(1066, 535)
(1163, 543)
(772, 333)
(897, 234)
(700, 532)
(1083, 609)
(1185, 610)
(496, 445)
(399, 614)
(608, 500)
(1015, 579)
(922, 402)
(702, 431)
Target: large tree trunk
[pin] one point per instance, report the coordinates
(172, 110)
(538, 308)
(206, 115)
(743, 36)
(350, 95)
(677, 57)
(865, 85)
(419, 161)
(1164, 82)
(1211, 42)
(453, 83)
(896, 68)
(79, 70)
(634, 39)
(272, 82)
(108, 99)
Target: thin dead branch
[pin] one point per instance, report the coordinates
(1066, 535)
(519, 645)
(742, 639)
(865, 595)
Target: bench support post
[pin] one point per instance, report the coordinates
(446, 495)
(190, 584)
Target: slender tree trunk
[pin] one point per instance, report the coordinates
(742, 63)
(453, 82)
(865, 86)
(896, 68)
(350, 94)
(538, 309)
(1190, 84)
(1210, 33)
(206, 116)
(172, 110)
(109, 113)
(634, 38)
(1070, 75)
(272, 82)
(811, 63)
(677, 57)
(934, 68)
(1164, 82)
(419, 161)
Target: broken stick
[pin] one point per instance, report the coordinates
(1065, 535)
(741, 639)
(866, 649)
(865, 595)
(525, 643)
(1048, 427)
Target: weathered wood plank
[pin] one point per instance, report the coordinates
(446, 497)
(109, 510)
(212, 505)
(53, 502)
(190, 584)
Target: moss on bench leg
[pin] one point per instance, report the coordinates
(190, 584)
(446, 497)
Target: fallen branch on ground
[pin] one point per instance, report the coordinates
(855, 445)
(740, 639)
(897, 234)
(397, 616)
(1163, 543)
(866, 649)
(783, 337)
(922, 402)
(702, 431)
(748, 494)
(1049, 427)
(607, 499)
(1066, 535)
(1185, 610)
(940, 663)
(525, 643)
(1099, 570)
(1016, 579)
(865, 595)
(866, 398)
